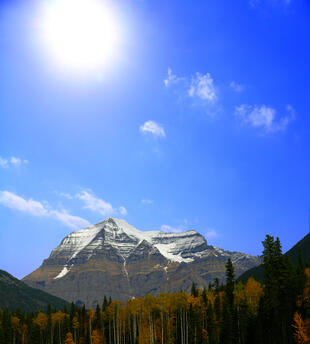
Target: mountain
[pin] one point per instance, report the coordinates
(15, 294)
(115, 259)
(302, 247)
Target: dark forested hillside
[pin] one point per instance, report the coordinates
(302, 249)
(303, 246)
(15, 294)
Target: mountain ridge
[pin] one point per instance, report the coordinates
(116, 259)
(302, 247)
(15, 294)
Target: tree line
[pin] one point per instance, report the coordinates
(275, 312)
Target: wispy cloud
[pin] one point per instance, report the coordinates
(64, 194)
(171, 78)
(199, 89)
(16, 202)
(3, 162)
(147, 201)
(153, 128)
(35, 208)
(123, 210)
(199, 85)
(98, 205)
(12, 161)
(235, 86)
(265, 117)
(69, 220)
(291, 112)
(95, 204)
(170, 229)
(211, 234)
(202, 86)
(16, 161)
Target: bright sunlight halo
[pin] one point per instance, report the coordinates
(80, 34)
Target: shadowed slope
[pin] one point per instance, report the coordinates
(15, 294)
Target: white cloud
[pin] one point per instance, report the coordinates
(29, 206)
(3, 163)
(171, 78)
(151, 127)
(123, 210)
(12, 161)
(291, 112)
(64, 194)
(147, 201)
(170, 229)
(95, 204)
(211, 234)
(199, 89)
(264, 117)
(99, 205)
(36, 208)
(235, 86)
(15, 161)
(202, 86)
(70, 221)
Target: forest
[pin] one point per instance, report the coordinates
(276, 311)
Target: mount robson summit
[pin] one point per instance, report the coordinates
(114, 259)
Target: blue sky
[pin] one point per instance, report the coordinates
(200, 122)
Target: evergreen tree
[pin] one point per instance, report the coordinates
(216, 284)
(227, 328)
(105, 303)
(230, 283)
(194, 291)
(278, 301)
(300, 275)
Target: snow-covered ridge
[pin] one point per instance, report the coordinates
(125, 238)
(178, 247)
(73, 244)
(234, 256)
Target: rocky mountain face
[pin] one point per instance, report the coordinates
(113, 258)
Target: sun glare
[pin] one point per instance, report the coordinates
(80, 34)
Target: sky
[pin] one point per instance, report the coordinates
(198, 120)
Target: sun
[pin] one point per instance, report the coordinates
(80, 34)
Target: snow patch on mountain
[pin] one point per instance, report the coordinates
(62, 273)
(77, 241)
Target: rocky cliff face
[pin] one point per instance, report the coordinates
(114, 259)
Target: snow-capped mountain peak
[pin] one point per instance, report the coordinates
(179, 247)
(82, 245)
(114, 258)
